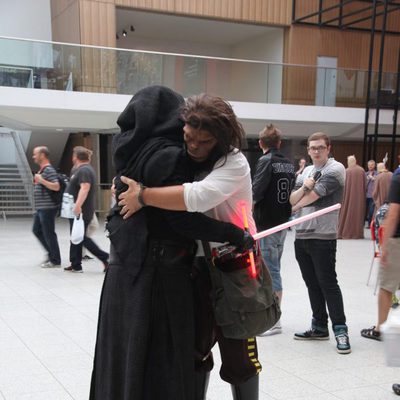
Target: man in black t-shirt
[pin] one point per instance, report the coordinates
(82, 187)
(389, 273)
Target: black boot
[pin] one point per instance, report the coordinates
(201, 384)
(247, 390)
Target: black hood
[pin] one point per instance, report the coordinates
(152, 112)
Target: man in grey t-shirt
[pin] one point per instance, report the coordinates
(321, 185)
(46, 181)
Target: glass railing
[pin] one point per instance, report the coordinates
(57, 66)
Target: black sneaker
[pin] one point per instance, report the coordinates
(71, 269)
(86, 257)
(396, 388)
(342, 341)
(312, 334)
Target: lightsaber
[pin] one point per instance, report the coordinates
(296, 221)
(253, 271)
(226, 249)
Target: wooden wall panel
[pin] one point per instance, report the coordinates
(350, 47)
(271, 12)
(342, 149)
(98, 27)
(65, 21)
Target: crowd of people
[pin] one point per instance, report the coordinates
(181, 186)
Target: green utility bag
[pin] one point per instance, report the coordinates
(244, 306)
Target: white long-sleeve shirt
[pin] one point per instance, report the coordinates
(223, 192)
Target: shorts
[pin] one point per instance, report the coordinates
(389, 275)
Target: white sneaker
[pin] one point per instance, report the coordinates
(275, 330)
(49, 264)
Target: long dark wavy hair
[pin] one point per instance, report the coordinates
(214, 115)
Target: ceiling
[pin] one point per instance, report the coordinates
(172, 27)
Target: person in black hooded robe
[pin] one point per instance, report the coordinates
(145, 338)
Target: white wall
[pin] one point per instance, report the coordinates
(25, 19)
(263, 83)
(174, 46)
(29, 19)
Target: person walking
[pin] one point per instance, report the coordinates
(45, 181)
(272, 184)
(82, 187)
(321, 185)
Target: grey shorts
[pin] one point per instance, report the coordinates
(389, 275)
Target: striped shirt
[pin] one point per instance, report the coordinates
(41, 193)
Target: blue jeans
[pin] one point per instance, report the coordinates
(271, 250)
(317, 261)
(44, 229)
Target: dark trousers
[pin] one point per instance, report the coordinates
(317, 261)
(370, 208)
(239, 357)
(44, 229)
(75, 250)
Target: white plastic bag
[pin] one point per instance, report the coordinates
(78, 230)
(67, 206)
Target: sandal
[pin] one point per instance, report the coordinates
(371, 333)
(396, 388)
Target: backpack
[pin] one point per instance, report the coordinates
(57, 196)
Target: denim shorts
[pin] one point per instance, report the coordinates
(271, 250)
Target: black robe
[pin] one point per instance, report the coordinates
(145, 339)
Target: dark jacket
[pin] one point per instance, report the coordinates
(272, 183)
(145, 340)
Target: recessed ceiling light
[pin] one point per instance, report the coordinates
(59, 129)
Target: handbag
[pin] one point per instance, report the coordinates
(78, 230)
(244, 306)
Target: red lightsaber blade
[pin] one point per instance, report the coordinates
(253, 271)
(226, 249)
(296, 221)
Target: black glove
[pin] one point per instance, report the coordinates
(248, 243)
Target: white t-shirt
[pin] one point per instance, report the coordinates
(223, 192)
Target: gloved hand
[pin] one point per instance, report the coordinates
(248, 243)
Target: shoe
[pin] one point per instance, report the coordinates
(87, 257)
(275, 330)
(396, 388)
(45, 261)
(70, 269)
(49, 264)
(106, 266)
(371, 333)
(342, 339)
(312, 334)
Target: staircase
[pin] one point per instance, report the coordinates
(16, 186)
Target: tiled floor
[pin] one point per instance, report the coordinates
(48, 326)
